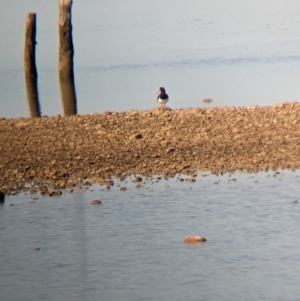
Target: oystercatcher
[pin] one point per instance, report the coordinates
(162, 96)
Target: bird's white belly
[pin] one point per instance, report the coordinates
(162, 101)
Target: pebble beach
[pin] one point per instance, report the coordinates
(53, 155)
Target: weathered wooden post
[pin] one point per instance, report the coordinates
(68, 95)
(31, 75)
(66, 54)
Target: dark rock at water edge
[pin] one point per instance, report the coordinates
(2, 197)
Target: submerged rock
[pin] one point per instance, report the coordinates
(207, 100)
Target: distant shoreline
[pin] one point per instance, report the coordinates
(51, 154)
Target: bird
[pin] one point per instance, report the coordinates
(162, 96)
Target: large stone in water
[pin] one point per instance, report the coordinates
(193, 239)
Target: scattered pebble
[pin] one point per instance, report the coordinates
(96, 202)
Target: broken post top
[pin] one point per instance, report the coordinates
(64, 10)
(30, 16)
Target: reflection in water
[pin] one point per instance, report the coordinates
(79, 237)
(32, 95)
(68, 95)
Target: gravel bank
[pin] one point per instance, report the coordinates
(50, 154)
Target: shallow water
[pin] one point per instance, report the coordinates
(236, 53)
(131, 247)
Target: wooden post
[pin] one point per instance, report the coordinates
(66, 54)
(31, 75)
(66, 49)
(68, 96)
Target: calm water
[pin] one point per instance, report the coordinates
(237, 53)
(131, 247)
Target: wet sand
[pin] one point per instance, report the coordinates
(50, 154)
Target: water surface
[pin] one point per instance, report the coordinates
(131, 247)
(236, 53)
